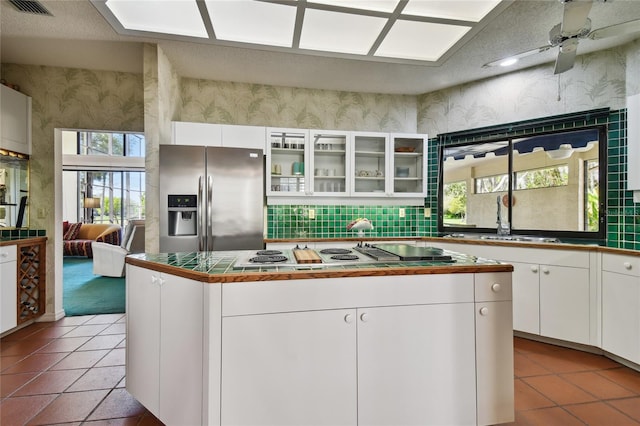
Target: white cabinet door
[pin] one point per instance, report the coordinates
(408, 165)
(243, 136)
(289, 369)
(329, 161)
(369, 164)
(564, 303)
(526, 297)
(181, 340)
(288, 166)
(16, 121)
(9, 289)
(494, 362)
(165, 330)
(416, 365)
(200, 134)
(143, 337)
(621, 315)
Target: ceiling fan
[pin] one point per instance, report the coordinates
(575, 25)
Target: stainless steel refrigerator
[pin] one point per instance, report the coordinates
(211, 198)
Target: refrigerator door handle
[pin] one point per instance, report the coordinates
(209, 213)
(201, 227)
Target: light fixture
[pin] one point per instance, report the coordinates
(90, 203)
(563, 152)
(508, 62)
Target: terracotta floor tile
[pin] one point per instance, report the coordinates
(624, 376)
(70, 407)
(150, 420)
(52, 332)
(566, 363)
(548, 417)
(600, 414)
(10, 382)
(117, 328)
(525, 367)
(9, 361)
(629, 406)
(23, 347)
(597, 385)
(531, 346)
(527, 397)
(99, 378)
(558, 390)
(102, 342)
(115, 357)
(83, 359)
(65, 344)
(86, 330)
(18, 411)
(50, 382)
(119, 403)
(106, 319)
(36, 362)
(21, 334)
(127, 421)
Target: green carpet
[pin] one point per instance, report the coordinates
(88, 294)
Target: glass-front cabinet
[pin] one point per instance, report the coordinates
(14, 190)
(408, 164)
(287, 158)
(370, 164)
(329, 160)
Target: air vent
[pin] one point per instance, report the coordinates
(30, 6)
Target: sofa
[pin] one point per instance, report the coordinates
(77, 237)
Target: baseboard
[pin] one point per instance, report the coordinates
(50, 317)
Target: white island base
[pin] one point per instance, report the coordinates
(433, 349)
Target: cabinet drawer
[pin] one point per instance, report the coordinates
(627, 265)
(7, 254)
(493, 287)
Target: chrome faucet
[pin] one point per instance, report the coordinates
(503, 228)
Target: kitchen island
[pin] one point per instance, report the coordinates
(383, 343)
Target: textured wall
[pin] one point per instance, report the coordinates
(69, 98)
(208, 101)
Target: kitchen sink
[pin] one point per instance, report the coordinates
(495, 237)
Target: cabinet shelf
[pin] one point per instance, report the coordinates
(370, 177)
(369, 154)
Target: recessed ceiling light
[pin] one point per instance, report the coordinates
(339, 32)
(179, 17)
(253, 21)
(377, 5)
(420, 40)
(463, 10)
(509, 61)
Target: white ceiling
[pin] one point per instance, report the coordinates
(78, 36)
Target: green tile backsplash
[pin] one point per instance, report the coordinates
(623, 215)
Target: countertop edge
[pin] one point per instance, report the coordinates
(19, 241)
(316, 273)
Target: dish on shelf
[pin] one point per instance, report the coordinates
(405, 149)
(402, 172)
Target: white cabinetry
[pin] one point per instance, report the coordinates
(554, 291)
(16, 121)
(165, 344)
(287, 162)
(370, 165)
(329, 153)
(207, 134)
(633, 144)
(621, 306)
(289, 368)
(408, 165)
(9, 289)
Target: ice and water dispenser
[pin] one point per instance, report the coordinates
(183, 215)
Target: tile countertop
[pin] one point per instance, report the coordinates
(217, 267)
(12, 240)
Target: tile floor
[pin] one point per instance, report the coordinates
(72, 372)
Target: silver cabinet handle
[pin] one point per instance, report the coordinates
(201, 226)
(209, 208)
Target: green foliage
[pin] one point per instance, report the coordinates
(455, 201)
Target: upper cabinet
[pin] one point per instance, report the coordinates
(408, 165)
(633, 145)
(287, 162)
(330, 163)
(16, 121)
(206, 134)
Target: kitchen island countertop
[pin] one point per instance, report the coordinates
(217, 267)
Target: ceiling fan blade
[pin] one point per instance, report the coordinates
(566, 56)
(629, 27)
(575, 16)
(518, 56)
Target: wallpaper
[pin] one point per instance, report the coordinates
(207, 101)
(69, 98)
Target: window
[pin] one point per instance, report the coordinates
(108, 167)
(548, 183)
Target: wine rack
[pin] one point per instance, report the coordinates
(31, 280)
